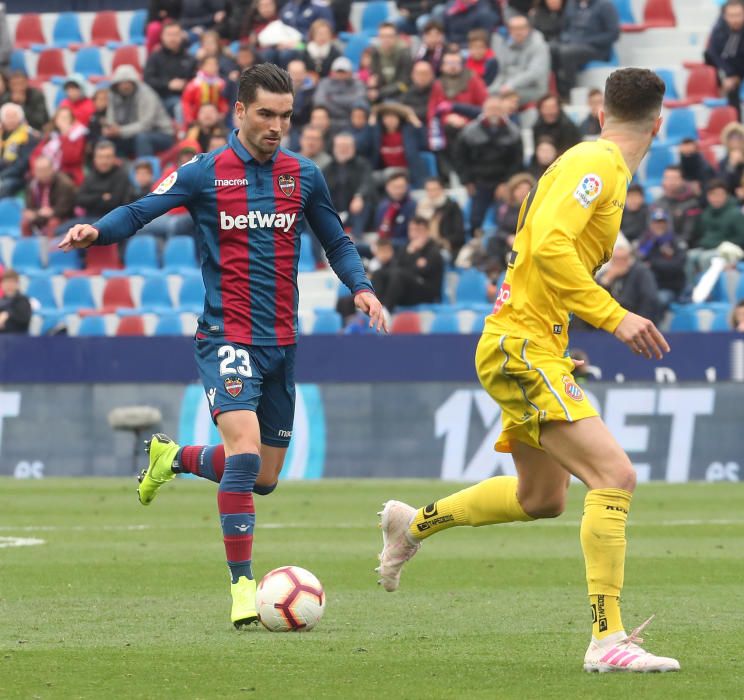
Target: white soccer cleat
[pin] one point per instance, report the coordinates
(620, 652)
(397, 545)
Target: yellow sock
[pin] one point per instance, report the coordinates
(603, 543)
(491, 501)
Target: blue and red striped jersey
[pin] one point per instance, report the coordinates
(249, 216)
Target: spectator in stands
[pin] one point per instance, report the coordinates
(415, 276)
(301, 14)
(444, 215)
(211, 45)
(726, 50)
(136, 119)
(660, 249)
(498, 246)
(217, 140)
(524, 62)
(410, 12)
(15, 307)
(419, 90)
(680, 201)
(349, 178)
(590, 28)
(199, 15)
(693, 164)
(97, 119)
(264, 12)
(487, 153)
(160, 12)
(237, 22)
(731, 166)
(206, 88)
(391, 62)
(144, 178)
(17, 141)
(630, 282)
(50, 199)
(462, 16)
(320, 118)
(553, 122)
(481, 59)
(634, 223)
(245, 58)
(396, 209)
(547, 18)
(456, 98)
(720, 222)
(590, 126)
(4, 91)
(76, 99)
(544, 155)
(208, 122)
(170, 68)
(64, 144)
(312, 146)
(364, 133)
(396, 141)
(737, 317)
(338, 92)
(320, 51)
(432, 45)
(30, 98)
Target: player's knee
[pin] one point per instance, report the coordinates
(545, 506)
(263, 490)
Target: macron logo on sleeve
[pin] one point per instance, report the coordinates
(257, 219)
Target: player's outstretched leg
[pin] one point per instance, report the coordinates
(162, 454)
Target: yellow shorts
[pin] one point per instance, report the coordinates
(531, 385)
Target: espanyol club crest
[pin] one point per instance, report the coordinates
(573, 390)
(233, 386)
(286, 185)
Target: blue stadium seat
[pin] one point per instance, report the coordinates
(66, 30)
(88, 61)
(373, 15)
(78, 294)
(685, 320)
(50, 320)
(680, 125)
(739, 294)
(430, 163)
(169, 324)
(446, 322)
(10, 217)
(659, 158)
(155, 296)
(179, 254)
(625, 11)
(137, 27)
(40, 288)
(471, 287)
(671, 86)
(26, 255)
(722, 320)
(92, 325)
(59, 261)
(307, 259)
(327, 321)
(18, 61)
(355, 47)
(612, 62)
(141, 254)
(191, 296)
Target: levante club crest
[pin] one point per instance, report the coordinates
(286, 185)
(233, 385)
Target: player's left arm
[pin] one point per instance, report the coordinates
(341, 253)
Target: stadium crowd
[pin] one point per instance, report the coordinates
(421, 144)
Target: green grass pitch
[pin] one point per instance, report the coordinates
(122, 601)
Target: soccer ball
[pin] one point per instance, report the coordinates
(290, 599)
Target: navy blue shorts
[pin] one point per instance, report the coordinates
(258, 378)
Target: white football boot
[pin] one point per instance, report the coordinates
(397, 544)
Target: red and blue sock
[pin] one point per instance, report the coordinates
(237, 513)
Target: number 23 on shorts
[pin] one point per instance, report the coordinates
(229, 356)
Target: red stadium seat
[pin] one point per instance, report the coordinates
(29, 31)
(51, 63)
(717, 120)
(659, 13)
(131, 325)
(105, 28)
(126, 56)
(702, 84)
(406, 322)
(117, 294)
(99, 258)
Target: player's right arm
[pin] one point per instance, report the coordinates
(177, 190)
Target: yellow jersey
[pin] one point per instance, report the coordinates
(567, 229)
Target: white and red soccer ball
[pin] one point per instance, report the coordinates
(290, 599)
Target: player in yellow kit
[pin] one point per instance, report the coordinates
(567, 229)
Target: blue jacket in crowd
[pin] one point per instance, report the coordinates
(592, 22)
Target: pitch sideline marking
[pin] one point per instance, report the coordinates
(19, 542)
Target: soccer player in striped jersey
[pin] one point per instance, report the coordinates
(567, 229)
(250, 201)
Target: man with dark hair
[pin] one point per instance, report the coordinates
(391, 62)
(432, 45)
(681, 202)
(396, 209)
(250, 200)
(30, 98)
(567, 230)
(726, 50)
(15, 307)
